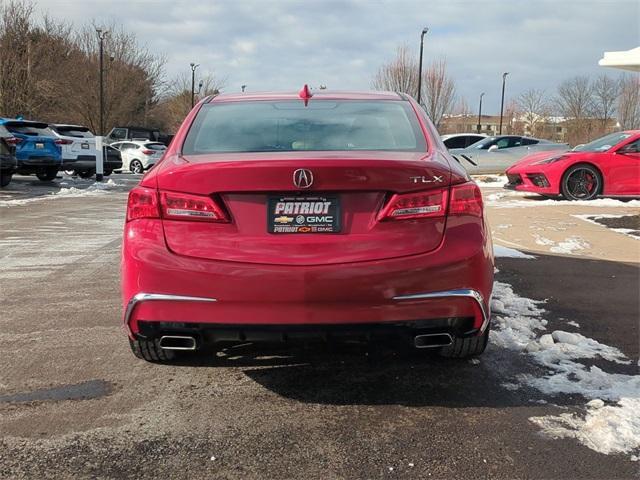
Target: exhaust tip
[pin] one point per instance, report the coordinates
(432, 340)
(177, 342)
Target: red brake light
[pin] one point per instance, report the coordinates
(148, 152)
(466, 199)
(184, 206)
(142, 203)
(13, 140)
(63, 141)
(432, 203)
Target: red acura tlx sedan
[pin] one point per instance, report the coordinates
(608, 166)
(287, 216)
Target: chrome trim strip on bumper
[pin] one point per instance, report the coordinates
(463, 292)
(151, 297)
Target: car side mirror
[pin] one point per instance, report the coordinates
(493, 148)
(631, 148)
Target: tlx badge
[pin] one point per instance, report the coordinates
(434, 179)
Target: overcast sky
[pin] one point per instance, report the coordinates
(281, 44)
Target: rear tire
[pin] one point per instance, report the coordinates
(136, 166)
(150, 351)
(5, 179)
(86, 173)
(47, 174)
(466, 346)
(107, 172)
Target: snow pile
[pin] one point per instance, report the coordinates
(614, 428)
(599, 202)
(543, 241)
(490, 181)
(500, 251)
(605, 429)
(570, 245)
(517, 318)
(630, 232)
(96, 188)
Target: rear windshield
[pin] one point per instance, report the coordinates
(155, 146)
(30, 130)
(74, 132)
(323, 125)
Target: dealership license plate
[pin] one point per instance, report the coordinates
(303, 215)
(39, 145)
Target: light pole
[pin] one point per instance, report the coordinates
(504, 79)
(101, 36)
(424, 32)
(193, 83)
(243, 87)
(480, 113)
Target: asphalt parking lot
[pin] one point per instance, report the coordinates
(74, 402)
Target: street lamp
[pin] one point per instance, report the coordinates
(193, 83)
(101, 36)
(504, 78)
(424, 32)
(480, 113)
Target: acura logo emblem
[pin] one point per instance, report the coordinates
(302, 178)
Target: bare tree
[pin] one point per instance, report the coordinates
(400, 74)
(535, 110)
(629, 102)
(171, 110)
(439, 91)
(575, 101)
(605, 94)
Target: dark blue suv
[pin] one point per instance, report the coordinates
(37, 149)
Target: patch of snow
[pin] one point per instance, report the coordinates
(599, 202)
(504, 226)
(605, 429)
(573, 324)
(591, 218)
(543, 241)
(490, 181)
(97, 188)
(610, 428)
(570, 245)
(495, 196)
(500, 251)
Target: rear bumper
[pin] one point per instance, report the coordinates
(88, 162)
(36, 162)
(453, 281)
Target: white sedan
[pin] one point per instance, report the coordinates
(139, 155)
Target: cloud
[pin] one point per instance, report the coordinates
(281, 44)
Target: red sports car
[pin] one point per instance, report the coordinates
(608, 166)
(299, 216)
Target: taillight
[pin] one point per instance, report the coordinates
(63, 141)
(13, 140)
(466, 199)
(142, 203)
(148, 152)
(184, 206)
(432, 203)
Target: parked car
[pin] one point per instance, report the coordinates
(119, 134)
(37, 149)
(608, 166)
(8, 161)
(461, 140)
(139, 155)
(496, 154)
(288, 216)
(79, 151)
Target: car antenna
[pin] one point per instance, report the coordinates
(305, 94)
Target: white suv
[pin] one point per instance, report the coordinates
(78, 146)
(139, 155)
